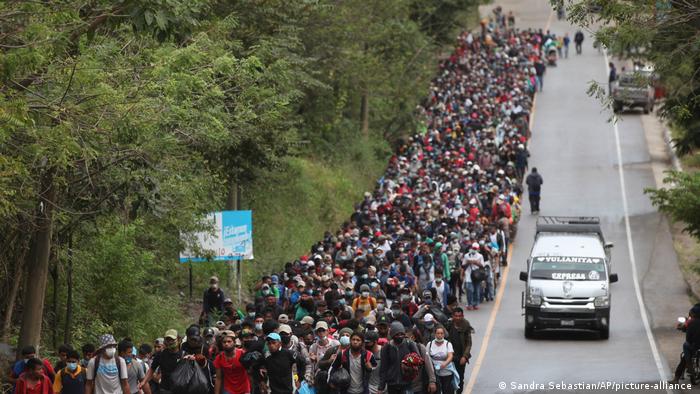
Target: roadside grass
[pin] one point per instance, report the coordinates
(294, 207)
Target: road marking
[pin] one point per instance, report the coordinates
(489, 327)
(642, 309)
(504, 277)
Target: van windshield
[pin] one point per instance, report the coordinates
(568, 268)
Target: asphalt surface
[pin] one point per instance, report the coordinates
(574, 147)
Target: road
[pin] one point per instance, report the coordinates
(578, 151)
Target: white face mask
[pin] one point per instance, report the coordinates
(110, 352)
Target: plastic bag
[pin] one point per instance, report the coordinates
(181, 376)
(306, 389)
(199, 384)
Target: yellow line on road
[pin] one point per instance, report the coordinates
(504, 279)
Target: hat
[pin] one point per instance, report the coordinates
(428, 317)
(322, 325)
(396, 328)
(171, 333)
(214, 279)
(227, 333)
(284, 319)
(108, 340)
(275, 279)
(159, 341)
(228, 301)
(475, 245)
(371, 336)
(364, 288)
(246, 333)
(284, 328)
(371, 319)
(301, 283)
(220, 325)
(307, 320)
(346, 330)
(273, 336)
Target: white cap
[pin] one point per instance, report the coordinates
(428, 317)
(285, 328)
(475, 245)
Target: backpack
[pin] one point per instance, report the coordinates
(344, 356)
(478, 274)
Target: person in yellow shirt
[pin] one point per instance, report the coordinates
(71, 379)
(364, 301)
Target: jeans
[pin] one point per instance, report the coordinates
(490, 291)
(540, 82)
(473, 293)
(445, 386)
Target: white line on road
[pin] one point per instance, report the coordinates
(642, 308)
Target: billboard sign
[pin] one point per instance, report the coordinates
(231, 239)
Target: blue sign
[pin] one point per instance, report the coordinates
(232, 238)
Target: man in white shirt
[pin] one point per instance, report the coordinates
(472, 261)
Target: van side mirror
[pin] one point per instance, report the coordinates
(523, 276)
(609, 245)
(613, 278)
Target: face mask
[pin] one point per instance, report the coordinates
(351, 274)
(258, 326)
(365, 294)
(251, 314)
(398, 340)
(405, 297)
(247, 344)
(345, 341)
(109, 352)
(214, 287)
(286, 339)
(349, 293)
(365, 276)
(438, 281)
(341, 301)
(266, 292)
(127, 360)
(72, 366)
(439, 340)
(396, 312)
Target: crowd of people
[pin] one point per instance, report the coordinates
(378, 306)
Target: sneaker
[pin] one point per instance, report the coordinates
(470, 308)
(476, 307)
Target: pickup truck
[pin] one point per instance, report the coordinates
(633, 90)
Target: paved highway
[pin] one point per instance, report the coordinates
(578, 153)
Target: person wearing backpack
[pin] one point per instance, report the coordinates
(399, 358)
(473, 268)
(70, 379)
(358, 362)
(460, 336)
(106, 372)
(134, 367)
(441, 354)
(231, 375)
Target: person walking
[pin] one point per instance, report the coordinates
(212, 302)
(359, 363)
(106, 372)
(278, 366)
(391, 377)
(473, 276)
(231, 376)
(540, 69)
(534, 187)
(460, 332)
(566, 40)
(33, 380)
(441, 354)
(612, 76)
(70, 379)
(578, 40)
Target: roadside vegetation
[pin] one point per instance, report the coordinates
(123, 122)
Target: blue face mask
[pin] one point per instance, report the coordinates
(344, 340)
(128, 360)
(72, 366)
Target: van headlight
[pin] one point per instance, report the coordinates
(534, 296)
(602, 301)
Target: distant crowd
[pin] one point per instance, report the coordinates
(379, 305)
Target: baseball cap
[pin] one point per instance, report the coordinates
(273, 336)
(284, 328)
(171, 333)
(307, 320)
(214, 279)
(322, 325)
(428, 317)
(284, 319)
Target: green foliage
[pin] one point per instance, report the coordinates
(142, 115)
(680, 199)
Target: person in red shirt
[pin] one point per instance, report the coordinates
(33, 380)
(231, 376)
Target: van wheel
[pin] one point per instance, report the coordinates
(529, 331)
(605, 332)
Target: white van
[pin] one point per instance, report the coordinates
(568, 277)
